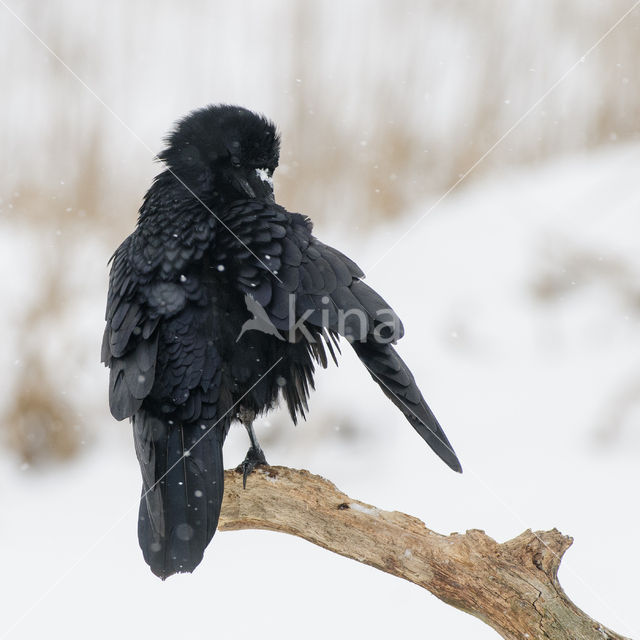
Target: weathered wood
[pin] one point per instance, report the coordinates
(513, 586)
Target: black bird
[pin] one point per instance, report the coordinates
(209, 233)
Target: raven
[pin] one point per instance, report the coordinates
(213, 259)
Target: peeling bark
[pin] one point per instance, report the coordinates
(512, 586)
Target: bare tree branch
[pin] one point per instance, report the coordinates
(513, 586)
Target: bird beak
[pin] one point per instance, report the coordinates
(242, 184)
(257, 184)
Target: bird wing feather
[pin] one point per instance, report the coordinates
(325, 287)
(130, 342)
(321, 280)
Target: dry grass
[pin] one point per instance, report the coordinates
(38, 421)
(565, 269)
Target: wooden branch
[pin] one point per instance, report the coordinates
(513, 586)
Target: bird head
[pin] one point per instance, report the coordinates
(226, 148)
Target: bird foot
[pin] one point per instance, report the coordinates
(255, 458)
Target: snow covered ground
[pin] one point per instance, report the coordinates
(520, 298)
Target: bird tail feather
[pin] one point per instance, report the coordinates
(182, 489)
(397, 382)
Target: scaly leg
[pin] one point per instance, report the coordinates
(255, 455)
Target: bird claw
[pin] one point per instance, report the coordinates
(255, 458)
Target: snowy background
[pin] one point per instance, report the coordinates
(519, 291)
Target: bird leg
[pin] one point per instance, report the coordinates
(255, 455)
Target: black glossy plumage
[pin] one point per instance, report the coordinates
(208, 234)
